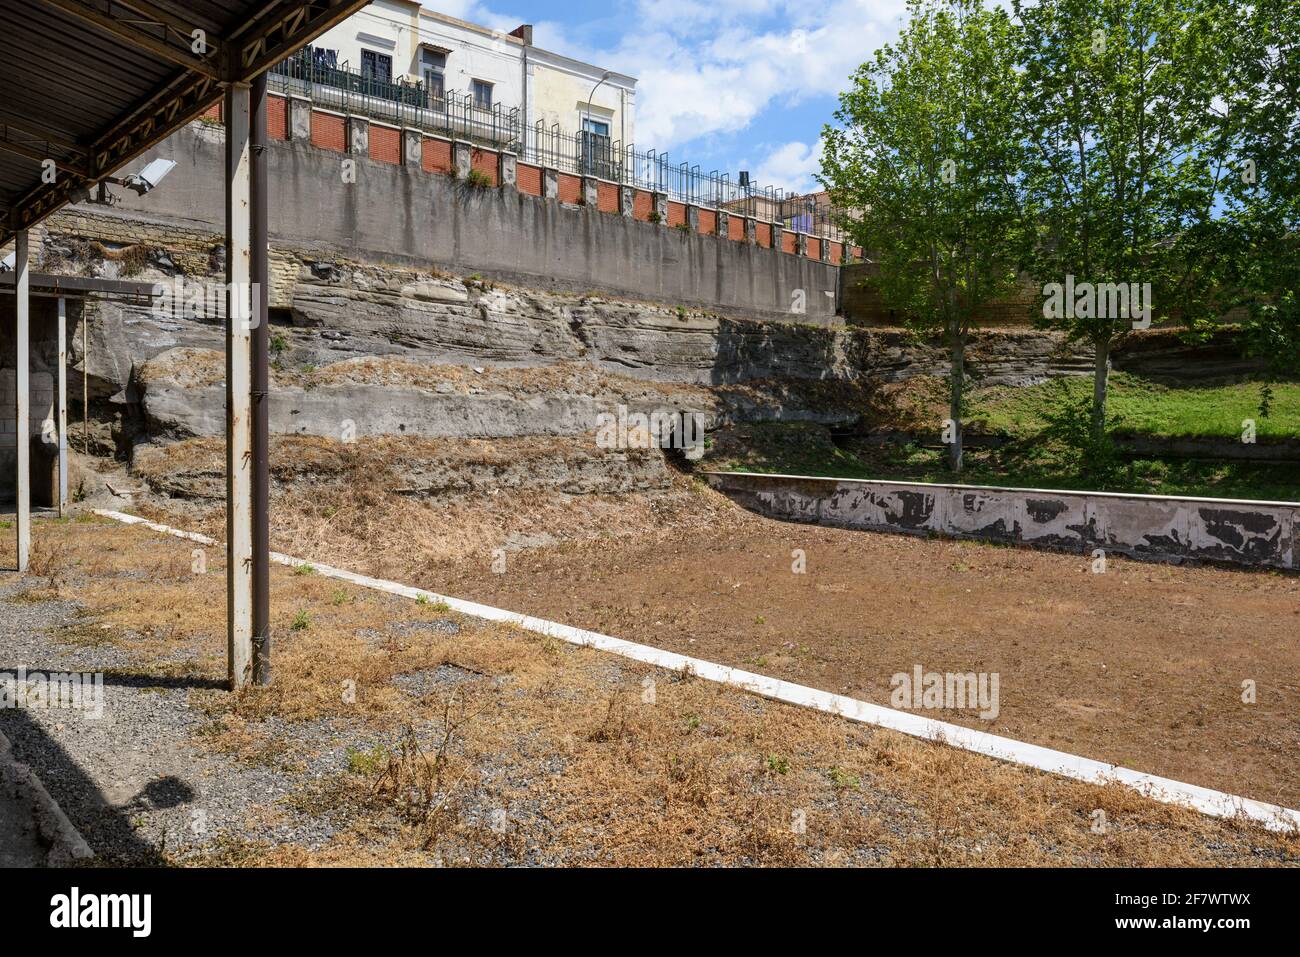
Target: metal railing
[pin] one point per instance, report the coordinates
(590, 154)
(314, 73)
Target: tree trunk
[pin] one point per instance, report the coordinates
(1100, 381)
(956, 380)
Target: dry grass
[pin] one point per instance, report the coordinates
(542, 752)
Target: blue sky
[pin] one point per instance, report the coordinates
(726, 84)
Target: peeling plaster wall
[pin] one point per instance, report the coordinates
(1142, 526)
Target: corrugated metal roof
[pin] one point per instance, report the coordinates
(91, 84)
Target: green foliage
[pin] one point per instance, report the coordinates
(928, 156)
(477, 179)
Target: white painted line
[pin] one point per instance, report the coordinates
(1165, 790)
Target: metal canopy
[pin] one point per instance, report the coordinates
(91, 84)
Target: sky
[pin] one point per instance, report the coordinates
(726, 84)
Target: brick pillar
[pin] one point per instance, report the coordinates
(801, 244)
(724, 223)
(626, 200)
(461, 162)
(412, 148)
(299, 120)
(550, 184)
(507, 171)
(693, 218)
(590, 192)
(661, 207)
(751, 231)
(358, 135)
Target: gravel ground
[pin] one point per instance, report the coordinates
(133, 782)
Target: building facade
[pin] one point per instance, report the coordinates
(403, 41)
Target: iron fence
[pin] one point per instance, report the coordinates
(314, 73)
(590, 154)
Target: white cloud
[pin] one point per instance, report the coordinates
(791, 167)
(713, 67)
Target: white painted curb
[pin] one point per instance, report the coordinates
(1165, 790)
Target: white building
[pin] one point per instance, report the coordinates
(402, 39)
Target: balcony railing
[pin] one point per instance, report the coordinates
(314, 73)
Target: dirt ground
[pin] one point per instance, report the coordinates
(399, 733)
(1142, 665)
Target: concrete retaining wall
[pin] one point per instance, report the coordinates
(401, 213)
(1141, 526)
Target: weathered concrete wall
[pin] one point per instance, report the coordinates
(403, 214)
(1141, 526)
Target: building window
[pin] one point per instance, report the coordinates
(377, 66)
(482, 91)
(433, 66)
(597, 151)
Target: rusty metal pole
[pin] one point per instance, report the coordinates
(260, 388)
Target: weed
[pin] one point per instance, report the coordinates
(301, 621)
(477, 179)
(777, 764)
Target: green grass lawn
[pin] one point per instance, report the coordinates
(1141, 406)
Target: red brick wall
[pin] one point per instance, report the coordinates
(837, 252)
(708, 222)
(277, 118)
(570, 188)
(763, 235)
(643, 205)
(327, 131)
(788, 242)
(385, 144)
(485, 161)
(529, 179)
(213, 112)
(857, 252)
(435, 156)
(676, 214)
(606, 197)
(736, 228)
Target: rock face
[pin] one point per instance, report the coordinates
(373, 349)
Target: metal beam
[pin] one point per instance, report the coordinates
(63, 407)
(128, 32)
(283, 33)
(39, 156)
(22, 402)
(239, 472)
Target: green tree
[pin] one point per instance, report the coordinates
(926, 154)
(1131, 157)
(1261, 224)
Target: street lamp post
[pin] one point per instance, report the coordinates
(586, 132)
